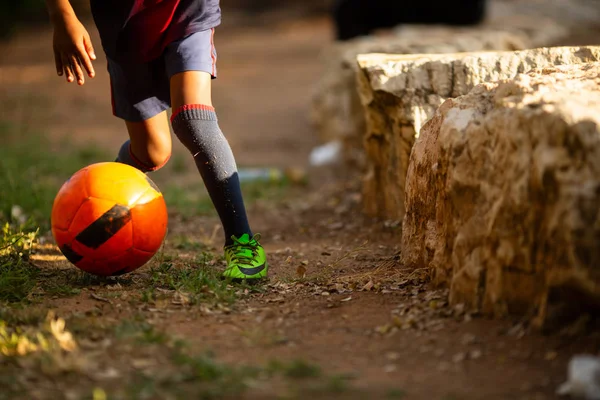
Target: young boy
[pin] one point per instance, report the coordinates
(161, 54)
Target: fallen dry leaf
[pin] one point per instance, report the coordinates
(301, 271)
(109, 373)
(384, 329)
(459, 357)
(142, 363)
(180, 299)
(63, 337)
(475, 354)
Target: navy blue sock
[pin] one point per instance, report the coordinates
(197, 128)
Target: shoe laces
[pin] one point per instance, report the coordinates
(244, 251)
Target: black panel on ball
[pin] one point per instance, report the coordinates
(102, 229)
(70, 254)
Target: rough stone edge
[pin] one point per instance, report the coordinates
(368, 65)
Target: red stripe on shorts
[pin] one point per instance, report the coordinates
(112, 93)
(192, 107)
(212, 50)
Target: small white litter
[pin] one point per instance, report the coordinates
(583, 378)
(326, 154)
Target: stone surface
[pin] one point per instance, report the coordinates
(511, 25)
(400, 93)
(336, 110)
(503, 193)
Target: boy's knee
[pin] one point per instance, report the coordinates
(153, 154)
(157, 159)
(151, 160)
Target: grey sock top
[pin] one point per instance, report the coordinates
(195, 112)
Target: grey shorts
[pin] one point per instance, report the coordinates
(141, 90)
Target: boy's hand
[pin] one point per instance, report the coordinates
(73, 50)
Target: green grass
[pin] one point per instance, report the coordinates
(19, 279)
(22, 314)
(295, 369)
(396, 394)
(214, 379)
(198, 281)
(59, 289)
(183, 242)
(140, 330)
(17, 276)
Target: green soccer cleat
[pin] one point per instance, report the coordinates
(245, 258)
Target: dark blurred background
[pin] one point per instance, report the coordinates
(18, 13)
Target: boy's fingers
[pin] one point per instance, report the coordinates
(58, 63)
(75, 65)
(87, 63)
(67, 68)
(87, 42)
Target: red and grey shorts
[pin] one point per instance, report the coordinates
(141, 90)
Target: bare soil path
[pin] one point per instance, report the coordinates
(337, 296)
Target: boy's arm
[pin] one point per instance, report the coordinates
(73, 49)
(59, 9)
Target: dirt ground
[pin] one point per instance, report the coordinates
(337, 295)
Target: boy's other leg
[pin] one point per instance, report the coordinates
(149, 144)
(195, 123)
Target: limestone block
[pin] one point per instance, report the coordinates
(503, 193)
(336, 112)
(401, 92)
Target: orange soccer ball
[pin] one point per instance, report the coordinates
(109, 219)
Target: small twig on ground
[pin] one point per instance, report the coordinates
(100, 298)
(213, 236)
(13, 242)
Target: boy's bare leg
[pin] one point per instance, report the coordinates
(191, 87)
(149, 147)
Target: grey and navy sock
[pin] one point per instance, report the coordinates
(197, 128)
(127, 157)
